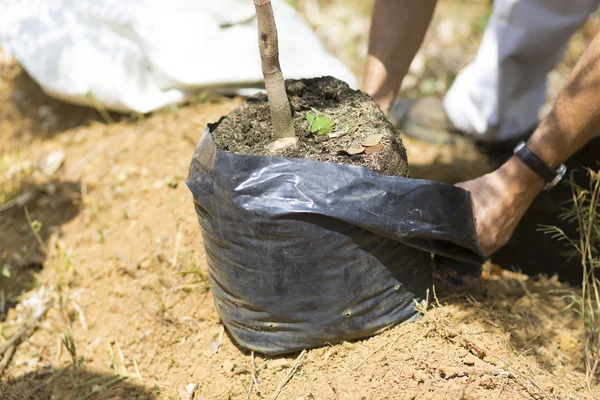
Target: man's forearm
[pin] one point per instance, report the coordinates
(397, 31)
(574, 119)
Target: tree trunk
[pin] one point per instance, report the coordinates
(281, 114)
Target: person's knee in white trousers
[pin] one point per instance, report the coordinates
(497, 97)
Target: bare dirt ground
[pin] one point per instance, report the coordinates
(120, 256)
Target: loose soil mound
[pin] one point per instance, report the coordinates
(247, 129)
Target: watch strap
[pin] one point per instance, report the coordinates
(535, 163)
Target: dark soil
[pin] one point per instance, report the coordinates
(247, 129)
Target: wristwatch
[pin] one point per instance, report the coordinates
(550, 175)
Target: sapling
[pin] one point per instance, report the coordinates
(281, 114)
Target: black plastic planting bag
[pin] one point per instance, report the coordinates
(302, 253)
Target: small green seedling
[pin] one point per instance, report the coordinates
(157, 389)
(318, 123)
(36, 227)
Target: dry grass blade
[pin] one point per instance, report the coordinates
(9, 348)
(19, 201)
(584, 210)
(254, 378)
(137, 371)
(586, 207)
(68, 341)
(249, 390)
(8, 355)
(121, 357)
(289, 375)
(114, 380)
(254, 382)
(501, 391)
(36, 226)
(80, 315)
(178, 239)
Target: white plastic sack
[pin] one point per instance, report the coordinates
(140, 55)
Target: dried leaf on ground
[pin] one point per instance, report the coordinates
(353, 150)
(372, 140)
(374, 149)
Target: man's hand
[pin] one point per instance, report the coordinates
(499, 200)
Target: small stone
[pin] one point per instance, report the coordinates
(158, 185)
(282, 143)
(228, 366)
(278, 364)
(419, 376)
(52, 162)
(470, 359)
(191, 389)
(337, 134)
(186, 392)
(451, 372)
(214, 347)
(172, 182)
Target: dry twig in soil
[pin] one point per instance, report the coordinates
(254, 378)
(289, 375)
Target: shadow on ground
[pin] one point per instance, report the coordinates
(34, 113)
(531, 311)
(21, 253)
(48, 384)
